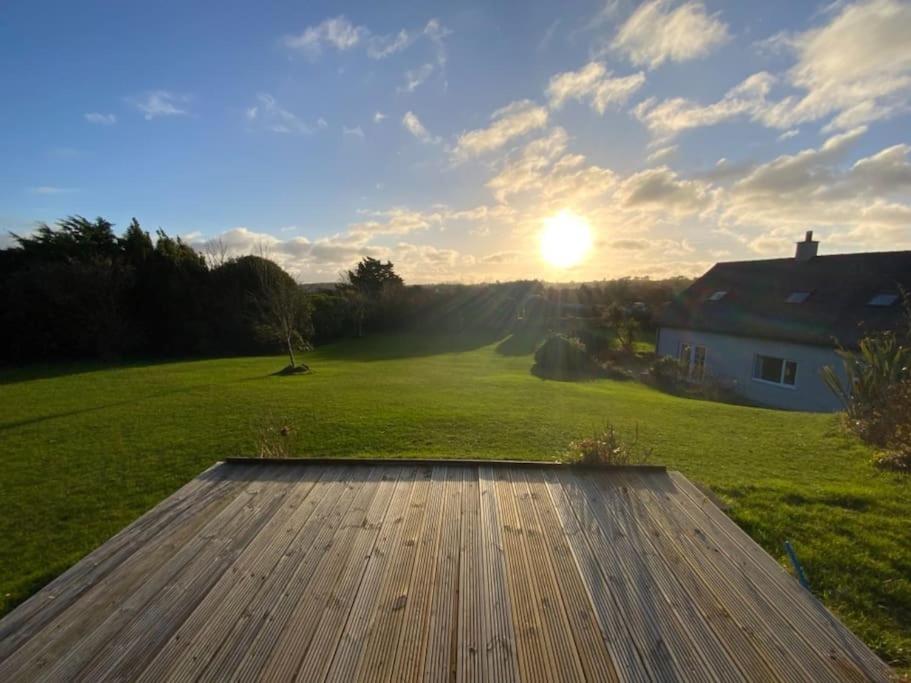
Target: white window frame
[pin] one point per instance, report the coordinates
(784, 363)
(690, 360)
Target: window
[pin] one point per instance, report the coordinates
(697, 371)
(797, 297)
(883, 299)
(684, 355)
(717, 296)
(775, 370)
(693, 357)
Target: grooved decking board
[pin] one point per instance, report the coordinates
(430, 570)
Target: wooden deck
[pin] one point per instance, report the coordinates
(430, 571)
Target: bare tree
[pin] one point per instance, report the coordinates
(215, 251)
(282, 308)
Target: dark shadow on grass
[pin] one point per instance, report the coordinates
(27, 373)
(521, 342)
(408, 345)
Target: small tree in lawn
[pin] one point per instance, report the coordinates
(282, 308)
(623, 324)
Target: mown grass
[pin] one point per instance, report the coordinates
(88, 448)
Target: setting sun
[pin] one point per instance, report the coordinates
(565, 240)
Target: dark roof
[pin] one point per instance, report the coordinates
(754, 305)
(430, 571)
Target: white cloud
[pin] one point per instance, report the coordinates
(337, 32)
(662, 189)
(669, 117)
(341, 34)
(356, 131)
(512, 121)
(661, 153)
(157, 103)
(378, 117)
(788, 134)
(414, 126)
(853, 70)
(657, 32)
(414, 78)
(50, 189)
(857, 66)
(271, 116)
(593, 83)
(101, 119)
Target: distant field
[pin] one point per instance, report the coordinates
(86, 449)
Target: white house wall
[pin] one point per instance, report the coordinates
(731, 358)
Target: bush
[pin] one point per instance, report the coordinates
(668, 373)
(607, 448)
(565, 357)
(895, 421)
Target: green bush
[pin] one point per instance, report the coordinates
(565, 357)
(668, 373)
(871, 376)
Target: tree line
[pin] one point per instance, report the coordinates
(79, 290)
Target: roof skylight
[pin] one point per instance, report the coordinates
(883, 299)
(717, 296)
(797, 297)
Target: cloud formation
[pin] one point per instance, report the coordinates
(268, 114)
(414, 126)
(658, 32)
(512, 121)
(593, 83)
(158, 103)
(101, 119)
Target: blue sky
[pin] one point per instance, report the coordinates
(442, 135)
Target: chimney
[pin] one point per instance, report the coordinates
(806, 250)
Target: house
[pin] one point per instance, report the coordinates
(769, 327)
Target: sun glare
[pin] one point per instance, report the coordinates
(565, 239)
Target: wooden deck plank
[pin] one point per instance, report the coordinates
(783, 603)
(811, 614)
(40, 610)
(351, 630)
(470, 665)
(535, 655)
(339, 636)
(60, 631)
(92, 633)
(441, 656)
(555, 627)
(738, 632)
(280, 659)
(500, 657)
(388, 618)
(177, 594)
(635, 542)
(242, 653)
(437, 571)
(622, 635)
(661, 649)
(590, 641)
(409, 653)
(188, 651)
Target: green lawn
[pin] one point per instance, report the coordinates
(88, 448)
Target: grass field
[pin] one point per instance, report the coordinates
(88, 448)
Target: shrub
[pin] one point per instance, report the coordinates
(607, 448)
(868, 392)
(668, 373)
(895, 421)
(565, 357)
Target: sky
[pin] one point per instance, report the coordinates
(443, 136)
